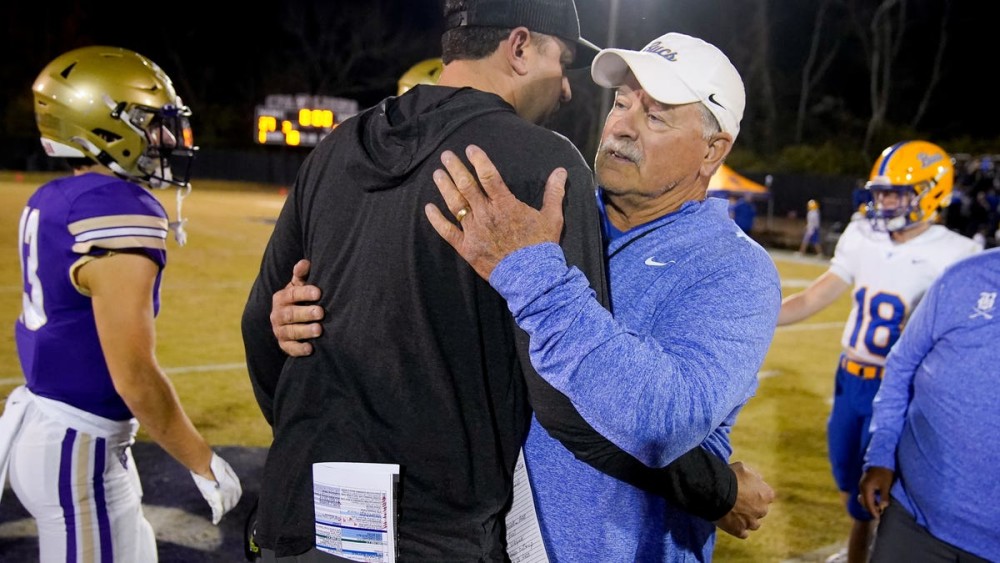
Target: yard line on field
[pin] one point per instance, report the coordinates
(232, 284)
(210, 367)
(796, 282)
(818, 555)
(788, 256)
(169, 371)
(242, 284)
(242, 365)
(810, 326)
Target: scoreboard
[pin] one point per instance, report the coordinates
(300, 120)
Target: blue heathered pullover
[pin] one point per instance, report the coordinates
(695, 304)
(936, 414)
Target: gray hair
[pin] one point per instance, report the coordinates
(709, 124)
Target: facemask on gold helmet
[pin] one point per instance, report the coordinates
(426, 71)
(920, 175)
(119, 109)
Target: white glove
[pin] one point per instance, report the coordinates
(224, 492)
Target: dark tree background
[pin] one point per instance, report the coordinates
(829, 82)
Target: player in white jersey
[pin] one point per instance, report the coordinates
(93, 249)
(890, 257)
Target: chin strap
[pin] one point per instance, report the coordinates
(180, 235)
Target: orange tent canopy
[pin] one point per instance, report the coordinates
(727, 181)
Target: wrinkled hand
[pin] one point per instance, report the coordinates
(497, 223)
(875, 486)
(291, 321)
(222, 493)
(753, 499)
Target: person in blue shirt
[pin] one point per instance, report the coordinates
(643, 378)
(694, 300)
(741, 209)
(931, 466)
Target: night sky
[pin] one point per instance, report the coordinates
(226, 63)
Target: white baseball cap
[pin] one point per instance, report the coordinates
(679, 69)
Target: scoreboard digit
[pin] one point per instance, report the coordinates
(300, 120)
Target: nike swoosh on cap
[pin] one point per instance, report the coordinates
(711, 98)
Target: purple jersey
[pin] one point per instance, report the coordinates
(65, 224)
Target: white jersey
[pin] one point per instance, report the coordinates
(889, 281)
(812, 221)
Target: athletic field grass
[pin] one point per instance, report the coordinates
(781, 432)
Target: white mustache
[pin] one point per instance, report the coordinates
(623, 148)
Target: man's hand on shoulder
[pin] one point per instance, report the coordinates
(491, 221)
(753, 500)
(294, 315)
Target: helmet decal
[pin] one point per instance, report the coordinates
(910, 182)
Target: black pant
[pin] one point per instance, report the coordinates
(256, 554)
(312, 556)
(900, 538)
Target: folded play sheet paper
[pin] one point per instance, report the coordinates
(524, 537)
(355, 506)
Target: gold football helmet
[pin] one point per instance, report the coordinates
(119, 109)
(921, 173)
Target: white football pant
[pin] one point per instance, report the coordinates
(74, 472)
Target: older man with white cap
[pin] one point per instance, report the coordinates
(695, 301)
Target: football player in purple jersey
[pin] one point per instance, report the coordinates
(92, 250)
